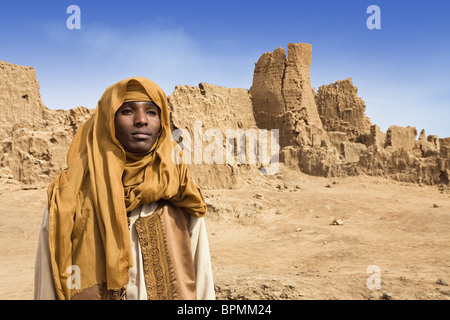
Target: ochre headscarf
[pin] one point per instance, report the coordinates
(89, 200)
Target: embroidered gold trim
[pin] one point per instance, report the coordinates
(99, 292)
(155, 258)
(117, 294)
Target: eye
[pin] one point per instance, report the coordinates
(152, 112)
(126, 111)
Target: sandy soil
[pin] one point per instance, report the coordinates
(274, 239)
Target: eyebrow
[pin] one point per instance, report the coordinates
(149, 103)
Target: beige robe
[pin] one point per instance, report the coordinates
(136, 288)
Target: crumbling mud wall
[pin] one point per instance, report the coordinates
(33, 139)
(208, 120)
(343, 141)
(325, 133)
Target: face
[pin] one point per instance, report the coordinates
(137, 126)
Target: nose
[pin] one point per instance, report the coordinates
(140, 118)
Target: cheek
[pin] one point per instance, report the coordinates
(120, 128)
(156, 124)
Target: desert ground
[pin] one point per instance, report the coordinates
(274, 238)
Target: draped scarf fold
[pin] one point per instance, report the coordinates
(88, 202)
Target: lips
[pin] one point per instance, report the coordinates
(141, 135)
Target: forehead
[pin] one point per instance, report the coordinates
(149, 104)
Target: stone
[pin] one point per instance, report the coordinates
(351, 151)
(401, 138)
(341, 110)
(336, 138)
(34, 140)
(375, 137)
(386, 296)
(283, 98)
(337, 222)
(429, 146)
(216, 109)
(20, 99)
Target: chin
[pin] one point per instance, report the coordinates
(141, 149)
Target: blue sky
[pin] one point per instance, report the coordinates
(402, 70)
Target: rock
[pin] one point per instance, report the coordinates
(5, 173)
(401, 138)
(20, 99)
(435, 205)
(351, 151)
(442, 282)
(320, 161)
(429, 146)
(34, 140)
(337, 222)
(216, 110)
(259, 196)
(341, 110)
(386, 296)
(283, 98)
(298, 229)
(212, 205)
(375, 137)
